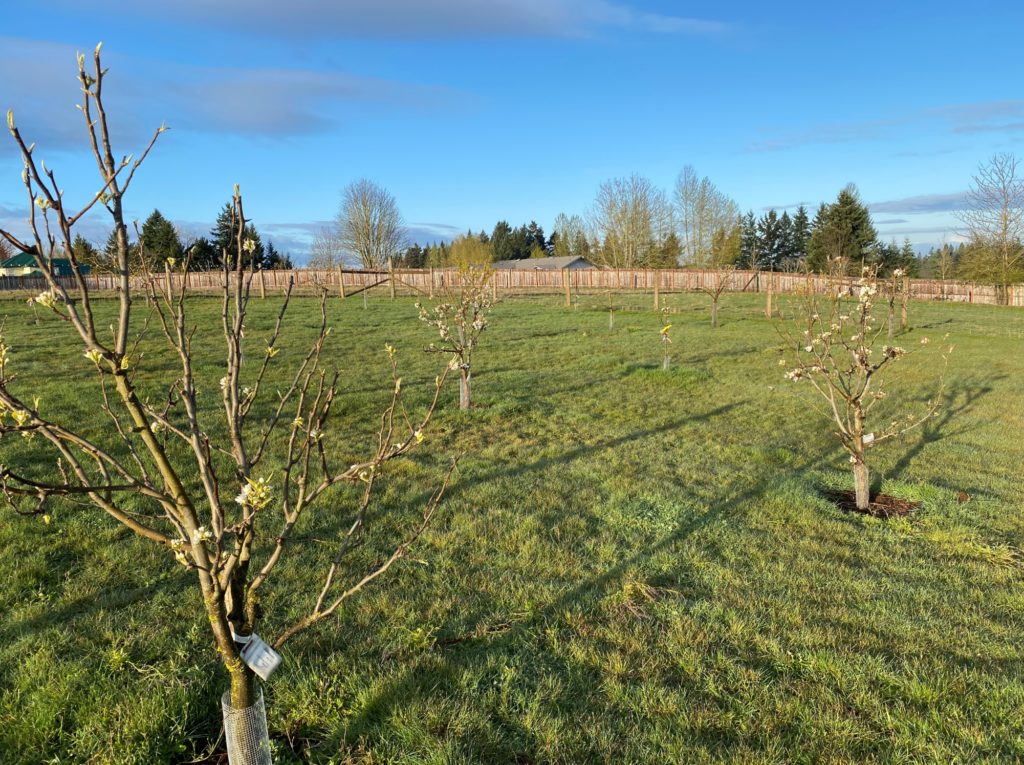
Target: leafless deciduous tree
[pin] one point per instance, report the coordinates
(829, 345)
(719, 282)
(993, 219)
(369, 226)
(221, 490)
(704, 215)
(570, 234)
(632, 217)
(325, 252)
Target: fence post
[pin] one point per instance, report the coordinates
(341, 282)
(391, 277)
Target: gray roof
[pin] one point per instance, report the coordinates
(531, 264)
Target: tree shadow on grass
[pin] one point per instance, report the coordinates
(483, 651)
(936, 429)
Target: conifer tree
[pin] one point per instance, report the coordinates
(501, 240)
(844, 233)
(750, 245)
(769, 236)
(786, 251)
(801, 233)
(160, 241)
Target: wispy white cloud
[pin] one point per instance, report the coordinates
(909, 231)
(268, 102)
(890, 222)
(924, 203)
(783, 207)
(953, 118)
(414, 19)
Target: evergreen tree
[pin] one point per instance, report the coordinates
(535, 236)
(787, 253)
(842, 230)
(84, 251)
(501, 239)
(770, 240)
(750, 244)
(205, 256)
(160, 241)
(519, 243)
(275, 260)
(223, 237)
(107, 257)
(667, 255)
(259, 253)
(801, 234)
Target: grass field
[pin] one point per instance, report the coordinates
(645, 559)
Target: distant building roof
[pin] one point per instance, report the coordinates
(531, 264)
(21, 260)
(61, 266)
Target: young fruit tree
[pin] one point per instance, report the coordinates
(829, 346)
(221, 487)
(460, 318)
(719, 282)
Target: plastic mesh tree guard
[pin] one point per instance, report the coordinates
(245, 731)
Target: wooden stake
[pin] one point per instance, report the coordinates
(906, 299)
(657, 280)
(341, 282)
(263, 287)
(494, 287)
(565, 278)
(391, 277)
(431, 282)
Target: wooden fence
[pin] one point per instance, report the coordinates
(428, 282)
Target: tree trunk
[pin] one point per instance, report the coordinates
(611, 320)
(860, 476)
(464, 389)
(892, 321)
(714, 313)
(665, 365)
(243, 688)
(365, 290)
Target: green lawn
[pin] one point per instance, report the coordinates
(645, 557)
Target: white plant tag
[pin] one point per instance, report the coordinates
(868, 439)
(261, 658)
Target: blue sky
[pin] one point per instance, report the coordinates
(470, 111)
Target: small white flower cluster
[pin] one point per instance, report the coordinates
(255, 494)
(177, 546)
(796, 375)
(45, 299)
(893, 352)
(4, 352)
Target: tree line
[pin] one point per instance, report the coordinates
(634, 224)
(163, 242)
